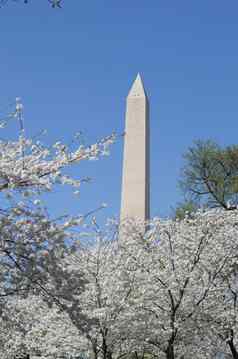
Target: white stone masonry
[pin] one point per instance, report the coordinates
(135, 201)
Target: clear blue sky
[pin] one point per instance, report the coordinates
(73, 68)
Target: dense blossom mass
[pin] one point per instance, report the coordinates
(169, 292)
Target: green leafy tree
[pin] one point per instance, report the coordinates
(210, 175)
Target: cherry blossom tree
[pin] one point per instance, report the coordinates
(166, 289)
(90, 321)
(218, 317)
(29, 326)
(180, 265)
(97, 318)
(105, 299)
(31, 240)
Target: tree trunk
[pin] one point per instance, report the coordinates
(95, 352)
(106, 353)
(170, 352)
(233, 350)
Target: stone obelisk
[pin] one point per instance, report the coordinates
(135, 202)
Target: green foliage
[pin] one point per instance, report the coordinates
(210, 175)
(184, 209)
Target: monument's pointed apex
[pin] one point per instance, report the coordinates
(137, 89)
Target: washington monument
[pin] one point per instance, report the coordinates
(135, 202)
